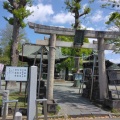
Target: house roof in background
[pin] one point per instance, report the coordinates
(30, 51)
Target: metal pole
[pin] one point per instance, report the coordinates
(93, 73)
(36, 111)
(40, 73)
(0, 81)
(45, 108)
(4, 111)
(5, 107)
(35, 58)
(116, 88)
(15, 110)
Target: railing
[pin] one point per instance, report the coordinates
(45, 108)
(5, 107)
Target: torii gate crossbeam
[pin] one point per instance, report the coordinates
(43, 29)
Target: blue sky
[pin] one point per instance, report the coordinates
(53, 12)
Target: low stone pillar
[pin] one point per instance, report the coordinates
(5, 97)
(18, 116)
(0, 81)
(31, 110)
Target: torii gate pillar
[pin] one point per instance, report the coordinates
(51, 66)
(102, 70)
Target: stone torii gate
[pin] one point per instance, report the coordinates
(52, 43)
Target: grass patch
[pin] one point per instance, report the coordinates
(115, 110)
(58, 108)
(0, 101)
(17, 96)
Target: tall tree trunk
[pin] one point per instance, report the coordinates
(14, 51)
(77, 59)
(14, 46)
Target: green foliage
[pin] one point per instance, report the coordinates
(5, 60)
(74, 6)
(6, 42)
(58, 108)
(114, 17)
(111, 3)
(105, 5)
(1, 51)
(87, 10)
(115, 110)
(72, 52)
(114, 20)
(19, 11)
(10, 20)
(67, 63)
(7, 50)
(7, 6)
(6, 37)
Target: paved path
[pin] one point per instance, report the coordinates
(71, 102)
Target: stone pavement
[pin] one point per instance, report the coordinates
(71, 102)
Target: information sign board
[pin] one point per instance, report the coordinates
(16, 73)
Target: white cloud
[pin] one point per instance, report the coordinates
(97, 17)
(88, 28)
(106, 18)
(115, 60)
(113, 28)
(108, 52)
(111, 56)
(40, 13)
(44, 13)
(63, 18)
(84, 6)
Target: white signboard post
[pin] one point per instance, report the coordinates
(1, 69)
(16, 73)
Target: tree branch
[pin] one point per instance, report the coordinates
(13, 3)
(77, 1)
(82, 14)
(23, 2)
